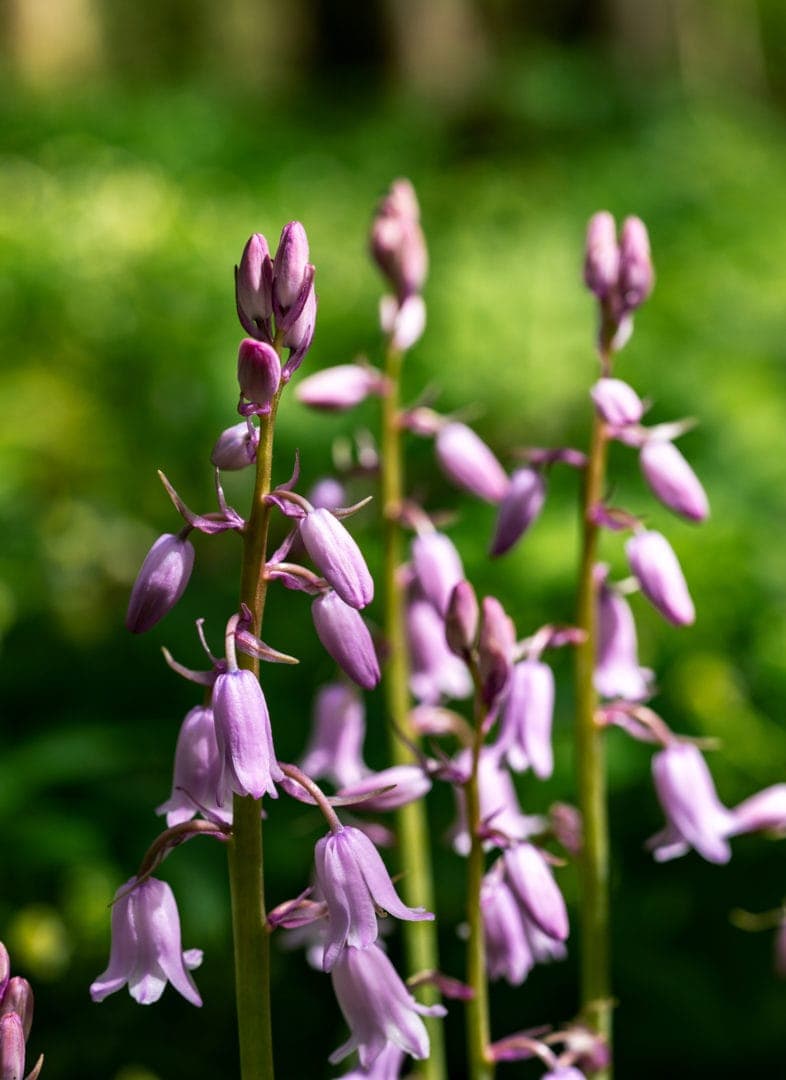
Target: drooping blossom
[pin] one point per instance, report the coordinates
(354, 883)
(617, 669)
(146, 951)
(378, 1007)
(520, 506)
(337, 557)
(469, 463)
(346, 638)
(533, 883)
(672, 480)
(652, 560)
(696, 818)
(526, 718)
(335, 746)
(243, 735)
(161, 581)
(500, 811)
(508, 954)
(435, 671)
(196, 784)
(437, 566)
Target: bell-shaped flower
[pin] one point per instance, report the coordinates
(337, 557)
(378, 1007)
(160, 582)
(652, 560)
(335, 747)
(146, 951)
(438, 567)
(617, 670)
(526, 718)
(533, 883)
(508, 953)
(520, 506)
(434, 670)
(198, 769)
(386, 1067)
(672, 480)
(469, 463)
(354, 883)
(341, 387)
(695, 816)
(346, 638)
(243, 735)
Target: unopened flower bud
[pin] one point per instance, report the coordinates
(496, 640)
(18, 998)
(397, 242)
(12, 1048)
(341, 387)
(695, 815)
(346, 638)
(252, 284)
(469, 463)
(636, 276)
(461, 621)
(437, 566)
(602, 259)
(672, 480)
(616, 402)
(236, 447)
(5, 969)
(299, 335)
(406, 782)
(519, 508)
(160, 582)
(258, 371)
(652, 560)
(337, 557)
(290, 264)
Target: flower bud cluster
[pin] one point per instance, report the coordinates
(16, 1020)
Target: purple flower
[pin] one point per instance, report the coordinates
(602, 259)
(291, 263)
(340, 387)
(160, 582)
(243, 735)
(434, 670)
(378, 1007)
(146, 951)
(469, 464)
(672, 480)
(407, 782)
(654, 563)
(337, 557)
(461, 619)
(258, 372)
(617, 403)
(328, 493)
(496, 644)
(520, 506)
(533, 883)
(508, 954)
(335, 747)
(695, 816)
(197, 773)
(354, 883)
(764, 810)
(397, 242)
(253, 279)
(527, 714)
(236, 448)
(617, 670)
(564, 1072)
(346, 638)
(437, 567)
(387, 1066)
(636, 276)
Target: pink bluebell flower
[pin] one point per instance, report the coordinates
(437, 566)
(526, 718)
(533, 883)
(340, 387)
(617, 669)
(146, 952)
(335, 746)
(337, 557)
(243, 735)
(435, 671)
(617, 403)
(198, 768)
(469, 463)
(696, 818)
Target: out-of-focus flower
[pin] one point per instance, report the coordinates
(695, 816)
(652, 560)
(672, 480)
(339, 726)
(519, 508)
(469, 463)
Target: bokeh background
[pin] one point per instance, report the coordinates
(141, 144)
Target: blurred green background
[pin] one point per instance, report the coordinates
(141, 145)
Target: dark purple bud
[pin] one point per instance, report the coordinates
(496, 642)
(654, 563)
(337, 557)
(12, 1048)
(520, 506)
(236, 448)
(160, 582)
(253, 285)
(346, 638)
(340, 387)
(290, 264)
(18, 998)
(397, 243)
(602, 259)
(672, 480)
(616, 402)
(5, 969)
(461, 621)
(636, 277)
(469, 463)
(258, 371)
(243, 735)
(437, 567)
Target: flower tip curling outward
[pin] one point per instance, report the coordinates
(146, 952)
(378, 1008)
(160, 583)
(243, 735)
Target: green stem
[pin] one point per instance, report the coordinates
(478, 1034)
(412, 823)
(596, 1000)
(246, 873)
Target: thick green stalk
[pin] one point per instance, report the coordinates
(246, 873)
(478, 1035)
(596, 1000)
(412, 823)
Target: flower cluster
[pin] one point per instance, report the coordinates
(16, 1020)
